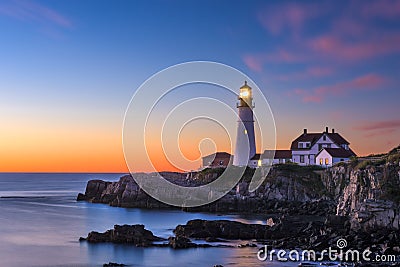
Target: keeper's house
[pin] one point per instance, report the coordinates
(325, 148)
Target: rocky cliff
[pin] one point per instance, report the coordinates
(367, 192)
(370, 196)
(283, 191)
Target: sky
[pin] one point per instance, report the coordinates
(68, 70)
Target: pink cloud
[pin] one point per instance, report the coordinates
(253, 62)
(379, 132)
(382, 8)
(287, 17)
(317, 95)
(332, 45)
(378, 125)
(311, 72)
(256, 61)
(32, 11)
(283, 55)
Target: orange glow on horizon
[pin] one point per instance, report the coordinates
(42, 149)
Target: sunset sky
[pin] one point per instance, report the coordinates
(68, 70)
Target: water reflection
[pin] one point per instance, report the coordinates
(44, 230)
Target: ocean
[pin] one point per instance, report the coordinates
(41, 222)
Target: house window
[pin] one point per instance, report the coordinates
(307, 144)
(319, 147)
(321, 161)
(326, 161)
(324, 137)
(341, 159)
(245, 131)
(301, 158)
(300, 145)
(328, 145)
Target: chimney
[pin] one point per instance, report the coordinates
(305, 131)
(326, 129)
(333, 130)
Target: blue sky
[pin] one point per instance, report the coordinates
(71, 67)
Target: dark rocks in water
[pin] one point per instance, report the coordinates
(180, 242)
(221, 229)
(126, 234)
(113, 264)
(247, 245)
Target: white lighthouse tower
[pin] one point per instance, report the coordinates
(245, 140)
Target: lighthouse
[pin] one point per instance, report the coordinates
(245, 139)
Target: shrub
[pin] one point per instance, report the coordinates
(362, 165)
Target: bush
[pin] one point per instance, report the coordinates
(394, 158)
(363, 164)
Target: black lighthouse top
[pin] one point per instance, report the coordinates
(245, 96)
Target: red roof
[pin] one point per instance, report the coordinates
(279, 154)
(219, 155)
(338, 152)
(283, 154)
(314, 137)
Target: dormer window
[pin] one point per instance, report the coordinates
(300, 145)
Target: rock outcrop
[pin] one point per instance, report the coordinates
(370, 197)
(126, 234)
(224, 229)
(280, 193)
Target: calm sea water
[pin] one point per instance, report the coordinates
(41, 222)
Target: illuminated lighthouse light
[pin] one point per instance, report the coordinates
(244, 93)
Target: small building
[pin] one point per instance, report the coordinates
(329, 156)
(305, 147)
(217, 160)
(255, 161)
(280, 156)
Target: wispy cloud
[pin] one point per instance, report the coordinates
(334, 46)
(311, 72)
(351, 32)
(289, 17)
(31, 11)
(382, 8)
(378, 125)
(256, 61)
(317, 95)
(378, 128)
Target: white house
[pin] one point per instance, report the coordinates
(329, 156)
(306, 147)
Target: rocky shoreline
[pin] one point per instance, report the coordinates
(306, 207)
